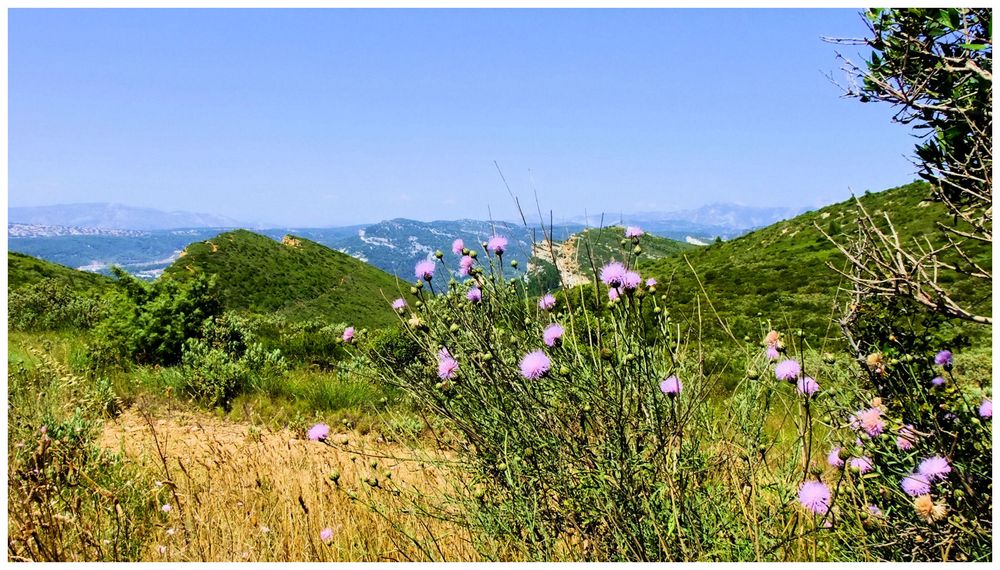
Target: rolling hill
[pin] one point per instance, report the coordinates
(781, 272)
(26, 270)
(296, 278)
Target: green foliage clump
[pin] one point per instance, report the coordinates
(225, 361)
(148, 323)
(51, 304)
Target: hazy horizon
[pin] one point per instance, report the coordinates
(320, 118)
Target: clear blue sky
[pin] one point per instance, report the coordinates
(329, 117)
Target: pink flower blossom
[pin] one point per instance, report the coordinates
(633, 232)
(631, 281)
(399, 304)
(348, 335)
(318, 432)
(535, 365)
(425, 269)
(671, 386)
(834, 458)
(326, 535)
(447, 366)
(986, 408)
(457, 246)
(613, 294)
(465, 265)
(907, 437)
(815, 496)
(787, 370)
(915, 485)
(474, 295)
(862, 464)
(547, 302)
(934, 468)
(497, 244)
(613, 274)
(807, 386)
(870, 421)
(651, 282)
(552, 334)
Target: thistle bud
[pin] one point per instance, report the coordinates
(453, 328)
(335, 476)
(473, 254)
(513, 263)
(564, 370)
(419, 284)
(637, 250)
(439, 254)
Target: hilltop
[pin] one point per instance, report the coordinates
(26, 270)
(781, 272)
(296, 278)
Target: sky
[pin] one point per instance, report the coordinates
(336, 117)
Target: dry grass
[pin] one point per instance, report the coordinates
(245, 494)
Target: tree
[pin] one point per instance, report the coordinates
(935, 67)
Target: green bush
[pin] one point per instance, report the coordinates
(225, 361)
(148, 323)
(51, 305)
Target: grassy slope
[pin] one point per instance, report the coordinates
(780, 271)
(299, 279)
(26, 270)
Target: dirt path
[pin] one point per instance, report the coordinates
(244, 494)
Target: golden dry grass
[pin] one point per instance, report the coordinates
(243, 494)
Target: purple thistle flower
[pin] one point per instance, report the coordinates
(815, 496)
(870, 421)
(613, 294)
(915, 485)
(547, 302)
(934, 468)
(807, 386)
(535, 364)
(497, 244)
(862, 464)
(787, 370)
(457, 246)
(425, 269)
(631, 280)
(474, 295)
(613, 274)
(399, 304)
(633, 232)
(834, 458)
(671, 386)
(943, 358)
(552, 334)
(907, 437)
(348, 335)
(772, 353)
(875, 511)
(326, 535)
(465, 265)
(447, 366)
(939, 381)
(651, 282)
(318, 432)
(986, 408)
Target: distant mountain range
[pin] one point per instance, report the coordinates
(115, 216)
(144, 241)
(699, 224)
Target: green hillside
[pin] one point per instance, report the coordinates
(296, 278)
(781, 271)
(595, 246)
(26, 270)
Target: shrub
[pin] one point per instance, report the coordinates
(149, 323)
(225, 361)
(49, 305)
